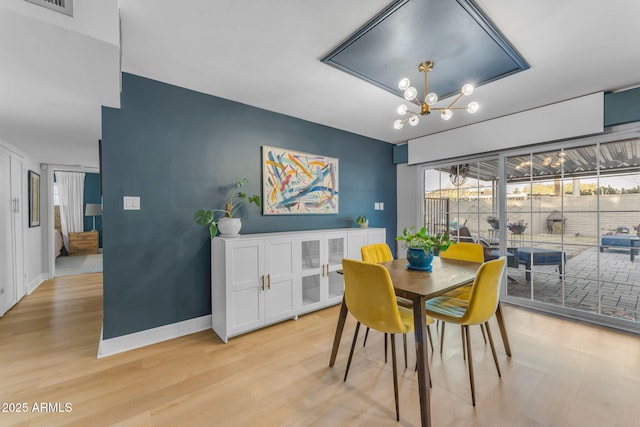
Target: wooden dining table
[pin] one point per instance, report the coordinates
(419, 286)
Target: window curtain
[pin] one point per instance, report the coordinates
(71, 194)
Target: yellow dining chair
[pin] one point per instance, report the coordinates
(464, 251)
(380, 252)
(477, 310)
(370, 298)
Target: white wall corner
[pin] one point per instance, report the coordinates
(112, 346)
(408, 196)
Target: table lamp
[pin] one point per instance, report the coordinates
(94, 210)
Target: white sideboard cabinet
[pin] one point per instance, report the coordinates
(261, 279)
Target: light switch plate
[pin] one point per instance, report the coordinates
(131, 203)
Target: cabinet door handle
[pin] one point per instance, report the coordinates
(16, 205)
(269, 281)
(262, 280)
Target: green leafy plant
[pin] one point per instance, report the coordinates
(425, 241)
(361, 220)
(237, 199)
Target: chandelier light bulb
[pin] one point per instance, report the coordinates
(431, 99)
(472, 107)
(410, 94)
(398, 124)
(467, 89)
(414, 120)
(446, 114)
(404, 84)
(402, 109)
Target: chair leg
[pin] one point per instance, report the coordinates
(353, 346)
(395, 375)
(430, 338)
(385, 347)
(404, 339)
(442, 337)
(470, 362)
(366, 335)
(484, 337)
(493, 348)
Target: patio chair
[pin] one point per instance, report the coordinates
(463, 234)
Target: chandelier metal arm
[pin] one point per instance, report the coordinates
(425, 90)
(460, 95)
(441, 109)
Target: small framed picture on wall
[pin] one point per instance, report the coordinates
(34, 199)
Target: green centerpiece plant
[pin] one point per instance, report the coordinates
(237, 199)
(422, 246)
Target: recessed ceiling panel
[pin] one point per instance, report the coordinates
(462, 43)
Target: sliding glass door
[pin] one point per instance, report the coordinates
(460, 199)
(569, 224)
(582, 206)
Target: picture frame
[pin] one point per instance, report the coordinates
(34, 199)
(294, 182)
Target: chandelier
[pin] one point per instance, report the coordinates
(429, 99)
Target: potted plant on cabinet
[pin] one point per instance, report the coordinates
(421, 247)
(228, 225)
(362, 221)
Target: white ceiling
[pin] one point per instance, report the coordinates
(267, 54)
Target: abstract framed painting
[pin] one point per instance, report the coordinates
(298, 183)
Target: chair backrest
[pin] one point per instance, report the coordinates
(485, 293)
(462, 234)
(377, 252)
(464, 251)
(370, 298)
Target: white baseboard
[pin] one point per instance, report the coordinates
(111, 346)
(33, 285)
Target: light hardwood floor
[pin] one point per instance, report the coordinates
(562, 373)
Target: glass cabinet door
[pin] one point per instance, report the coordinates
(310, 255)
(311, 261)
(336, 251)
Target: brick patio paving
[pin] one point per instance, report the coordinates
(619, 287)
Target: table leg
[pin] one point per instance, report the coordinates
(420, 321)
(503, 330)
(339, 328)
(632, 243)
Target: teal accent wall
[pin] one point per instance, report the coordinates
(400, 154)
(622, 107)
(179, 150)
(92, 195)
